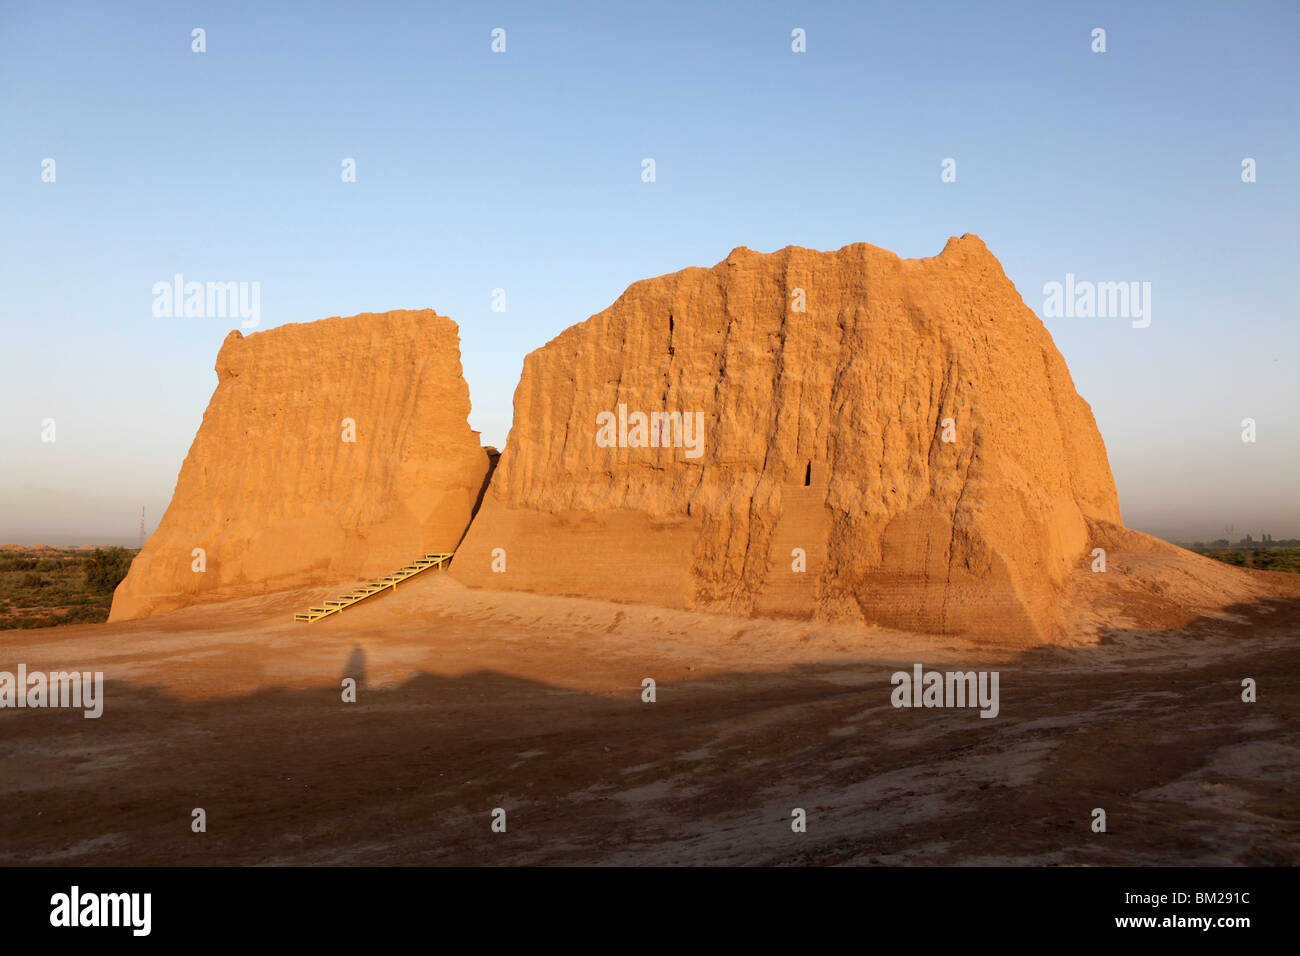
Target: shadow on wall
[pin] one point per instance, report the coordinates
(494, 457)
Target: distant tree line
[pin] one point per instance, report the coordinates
(104, 568)
(1264, 541)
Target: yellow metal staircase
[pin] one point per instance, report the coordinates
(374, 587)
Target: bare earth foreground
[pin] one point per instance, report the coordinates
(472, 700)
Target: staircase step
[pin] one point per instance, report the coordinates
(350, 598)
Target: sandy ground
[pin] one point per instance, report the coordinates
(472, 700)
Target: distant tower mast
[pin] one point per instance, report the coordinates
(142, 526)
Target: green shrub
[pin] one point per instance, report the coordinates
(106, 567)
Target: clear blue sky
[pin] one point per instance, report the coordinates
(522, 171)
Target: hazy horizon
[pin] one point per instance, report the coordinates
(522, 171)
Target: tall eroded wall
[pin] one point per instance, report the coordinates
(826, 384)
(276, 497)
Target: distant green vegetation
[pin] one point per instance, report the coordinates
(1265, 555)
(106, 567)
(63, 586)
